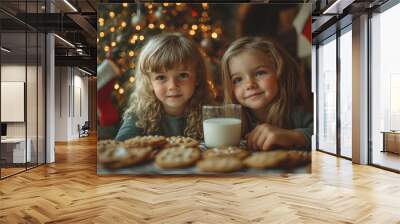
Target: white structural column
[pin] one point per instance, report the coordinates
(50, 99)
(360, 90)
(314, 91)
(50, 93)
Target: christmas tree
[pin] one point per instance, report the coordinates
(123, 29)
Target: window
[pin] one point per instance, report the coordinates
(327, 96)
(385, 87)
(346, 93)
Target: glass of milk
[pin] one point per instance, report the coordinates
(222, 125)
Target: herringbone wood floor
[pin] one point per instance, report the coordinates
(69, 191)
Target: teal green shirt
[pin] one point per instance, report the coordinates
(302, 121)
(169, 126)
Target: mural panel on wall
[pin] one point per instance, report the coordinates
(204, 88)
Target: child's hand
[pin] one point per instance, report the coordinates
(264, 136)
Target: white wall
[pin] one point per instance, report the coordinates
(33, 127)
(61, 104)
(71, 93)
(13, 73)
(80, 111)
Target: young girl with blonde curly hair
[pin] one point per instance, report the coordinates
(170, 89)
(267, 82)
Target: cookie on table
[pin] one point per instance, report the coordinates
(174, 141)
(226, 151)
(220, 164)
(297, 158)
(105, 145)
(153, 141)
(270, 159)
(153, 154)
(177, 157)
(123, 157)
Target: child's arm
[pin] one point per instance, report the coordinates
(264, 136)
(128, 129)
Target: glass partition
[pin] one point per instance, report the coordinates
(22, 90)
(13, 104)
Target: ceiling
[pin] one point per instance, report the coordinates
(329, 16)
(77, 27)
(80, 27)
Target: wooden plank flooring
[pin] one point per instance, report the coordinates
(387, 159)
(10, 171)
(69, 191)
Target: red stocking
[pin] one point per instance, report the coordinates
(107, 113)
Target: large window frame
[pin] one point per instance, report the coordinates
(366, 146)
(345, 31)
(322, 81)
(381, 9)
(335, 37)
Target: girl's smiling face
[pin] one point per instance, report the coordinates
(174, 88)
(254, 79)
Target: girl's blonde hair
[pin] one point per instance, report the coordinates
(291, 85)
(161, 53)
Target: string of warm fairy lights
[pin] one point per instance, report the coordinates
(124, 27)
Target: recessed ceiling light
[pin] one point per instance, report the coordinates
(64, 40)
(84, 71)
(70, 5)
(337, 7)
(5, 49)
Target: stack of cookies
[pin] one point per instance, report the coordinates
(222, 159)
(231, 159)
(282, 158)
(178, 152)
(113, 154)
(168, 153)
(182, 152)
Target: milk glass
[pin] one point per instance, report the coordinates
(222, 125)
